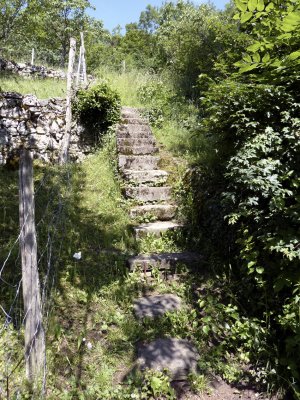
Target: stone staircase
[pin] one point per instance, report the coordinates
(146, 186)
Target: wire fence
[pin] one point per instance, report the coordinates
(50, 226)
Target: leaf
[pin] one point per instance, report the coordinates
(236, 17)
(206, 329)
(247, 68)
(246, 16)
(256, 57)
(293, 56)
(270, 7)
(266, 58)
(254, 47)
(260, 270)
(252, 4)
(247, 58)
(291, 22)
(260, 5)
(240, 5)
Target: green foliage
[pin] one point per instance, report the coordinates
(98, 107)
(274, 27)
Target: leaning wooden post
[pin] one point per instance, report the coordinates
(78, 77)
(32, 57)
(67, 136)
(83, 60)
(34, 332)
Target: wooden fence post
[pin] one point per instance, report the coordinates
(34, 332)
(67, 136)
(83, 60)
(32, 57)
(78, 77)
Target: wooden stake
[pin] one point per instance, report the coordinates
(34, 332)
(67, 136)
(78, 77)
(83, 60)
(32, 57)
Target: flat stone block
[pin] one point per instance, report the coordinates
(164, 260)
(162, 212)
(155, 176)
(155, 306)
(137, 150)
(178, 356)
(136, 141)
(138, 162)
(156, 228)
(148, 194)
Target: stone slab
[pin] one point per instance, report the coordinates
(178, 356)
(162, 212)
(148, 194)
(164, 260)
(134, 128)
(155, 176)
(156, 306)
(137, 150)
(138, 162)
(136, 141)
(156, 228)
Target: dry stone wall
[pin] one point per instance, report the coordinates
(39, 125)
(28, 70)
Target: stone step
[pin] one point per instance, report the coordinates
(133, 120)
(156, 228)
(138, 162)
(148, 194)
(133, 128)
(136, 141)
(163, 261)
(156, 305)
(162, 212)
(137, 150)
(126, 134)
(130, 112)
(178, 356)
(152, 177)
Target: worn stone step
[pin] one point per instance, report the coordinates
(133, 120)
(138, 162)
(162, 212)
(156, 305)
(130, 112)
(163, 261)
(136, 141)
(126, 134)
(148, 194)
(153, 177)
(156, 228)
(178, 356)
(133, 128)
(137, 150)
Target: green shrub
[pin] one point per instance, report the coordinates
(97, 108)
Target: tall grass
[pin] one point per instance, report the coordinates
(41, 88)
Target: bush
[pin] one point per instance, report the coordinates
(249, 184)
(97, 108)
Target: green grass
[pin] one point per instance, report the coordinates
(126, 84)
(41, 88)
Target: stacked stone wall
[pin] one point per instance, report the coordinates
(39, 125)
(28, 70)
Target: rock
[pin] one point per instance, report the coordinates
(153, 177)
(138, 162)
(156, 228)
(178, 356)
(155, 306)
(164, 260)
(137, 150)
(148, 194)
(162, 212)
